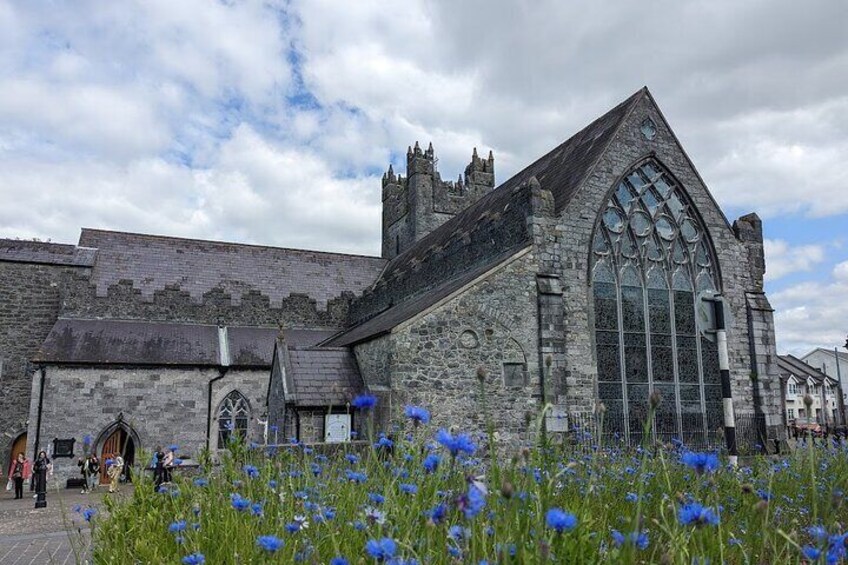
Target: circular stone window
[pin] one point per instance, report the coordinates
(648, 129)
(468, 339)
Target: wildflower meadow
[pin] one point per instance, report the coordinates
(434, 495)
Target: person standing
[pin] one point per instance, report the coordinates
(115, 471)
(40, 469)
(158, 467)
(93, 471)
(168, 465)
(20, 471)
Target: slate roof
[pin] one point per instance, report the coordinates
(561, 171)
(322, 376)
(790, 365)
(251, 346)
(113, 342)
(119, 342)
(153, 262)
(45, 253)
(383, 322)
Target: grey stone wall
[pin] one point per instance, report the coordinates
(253, 385)
(433, 360)
(123, 301)
(468, 246)
(417, 204)
(161, 406)
(739, 270)
(29, 305)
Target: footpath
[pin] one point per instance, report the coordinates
(57, 534)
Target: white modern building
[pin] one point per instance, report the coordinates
(831, 362)
(800, 379)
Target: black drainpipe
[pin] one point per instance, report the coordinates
(43, 372)
(223, 372)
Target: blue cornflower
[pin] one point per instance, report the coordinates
(700, 462)
(316, 469)
(560, 520)
(352, 458)
(269, 543)
(239, 502)
(764, 494)
(356, 477)
(631, 497)
(695, 514)
(460, 443)
(811, 552)
(88, 514)
(473, 502)
(431, 462)
(194, 559)
(409, 488)
(177, 527)
(636, 539)
(86, 440)
(454, 552)
(384, 442)
(437, 514)
(376, 498)
(364, 402)
(339, 561)
(200, 482)
(818, 532)
(381, 550)
(417, 414)
(256, 509)
(458, 533)
(272, 484)
(251, 471)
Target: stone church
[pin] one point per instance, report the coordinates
(576, 282)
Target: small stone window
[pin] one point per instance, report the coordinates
(515, 374)
(233, 416)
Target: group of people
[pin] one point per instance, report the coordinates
(22, 470)
(163, 463)
(90, 469)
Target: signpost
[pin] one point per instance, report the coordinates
(337, 428)
(712, 323)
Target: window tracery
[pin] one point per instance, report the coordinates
(650, 258)
(233, 416)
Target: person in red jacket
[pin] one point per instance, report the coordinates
(20, 471)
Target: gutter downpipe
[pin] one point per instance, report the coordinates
(43, 371)
(224, 364)
(222, 373)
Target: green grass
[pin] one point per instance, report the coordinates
(803, 490)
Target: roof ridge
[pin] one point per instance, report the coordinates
(219, 242)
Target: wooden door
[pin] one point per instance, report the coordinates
(110, 446)
(19, 446)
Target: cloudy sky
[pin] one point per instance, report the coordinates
(271, 122)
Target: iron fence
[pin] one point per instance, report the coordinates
(590, 431)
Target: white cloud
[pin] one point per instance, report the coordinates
(107, 108)
(783, 259)
(812, 314)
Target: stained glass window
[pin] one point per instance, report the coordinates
(233, 416)
(650, 259)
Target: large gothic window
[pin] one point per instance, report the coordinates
(650, 258)
(233, 416)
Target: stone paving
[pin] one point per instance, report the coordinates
(56, 534)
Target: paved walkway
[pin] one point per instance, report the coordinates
(56, 534)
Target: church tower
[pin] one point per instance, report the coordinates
(417, 204)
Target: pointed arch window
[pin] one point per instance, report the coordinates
(233, 417)
(650, 257)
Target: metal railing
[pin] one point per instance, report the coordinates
(589, 431)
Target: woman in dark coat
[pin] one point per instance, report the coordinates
(39, 472)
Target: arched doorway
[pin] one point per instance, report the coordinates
(18, 446)
(117, 438)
